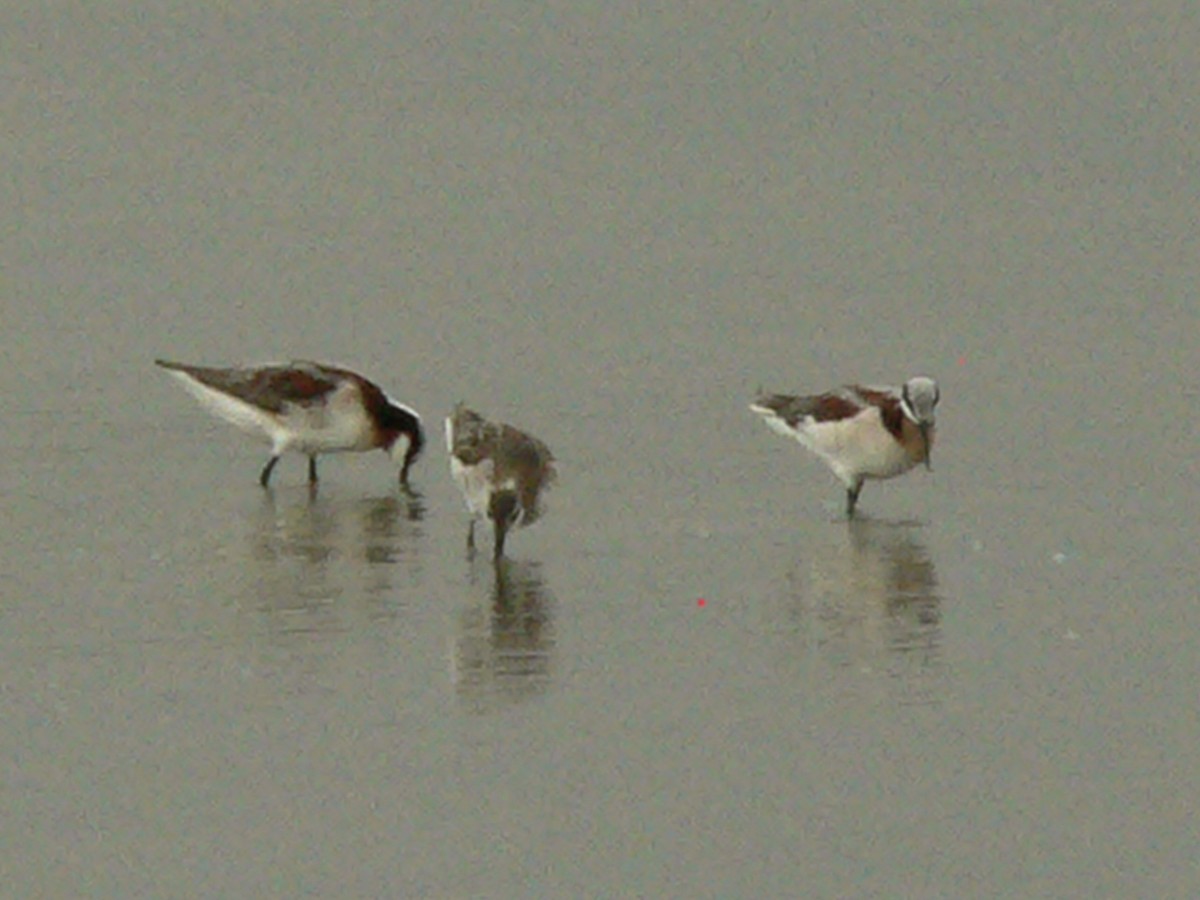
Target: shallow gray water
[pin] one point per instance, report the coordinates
(608, 225)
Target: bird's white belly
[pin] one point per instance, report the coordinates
(857, 447)
(475, 482)
(339, 424)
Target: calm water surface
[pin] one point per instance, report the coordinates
(608, 225)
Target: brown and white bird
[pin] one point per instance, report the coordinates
(501, 471)
(860, 432)
(306, 407)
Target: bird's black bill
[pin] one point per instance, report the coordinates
(265, 478)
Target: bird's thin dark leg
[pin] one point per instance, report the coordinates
(471, 535)
(501, 533)
(265, 478)
(312, 469)
(852, 497)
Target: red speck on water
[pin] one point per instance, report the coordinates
(701, 602)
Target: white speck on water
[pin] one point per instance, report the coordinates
(1059, 557)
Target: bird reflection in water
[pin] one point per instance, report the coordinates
(872, 603)
(310, 552)
(502, 653)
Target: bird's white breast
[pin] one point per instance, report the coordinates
(475, 482)
(860, 446)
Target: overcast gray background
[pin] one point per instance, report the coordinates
(608, 224)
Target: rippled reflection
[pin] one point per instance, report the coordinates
(309, 551)
(503, 651)
(871, 600)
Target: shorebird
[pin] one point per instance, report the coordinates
(860, 432)
(500, 470)
(306, 407)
